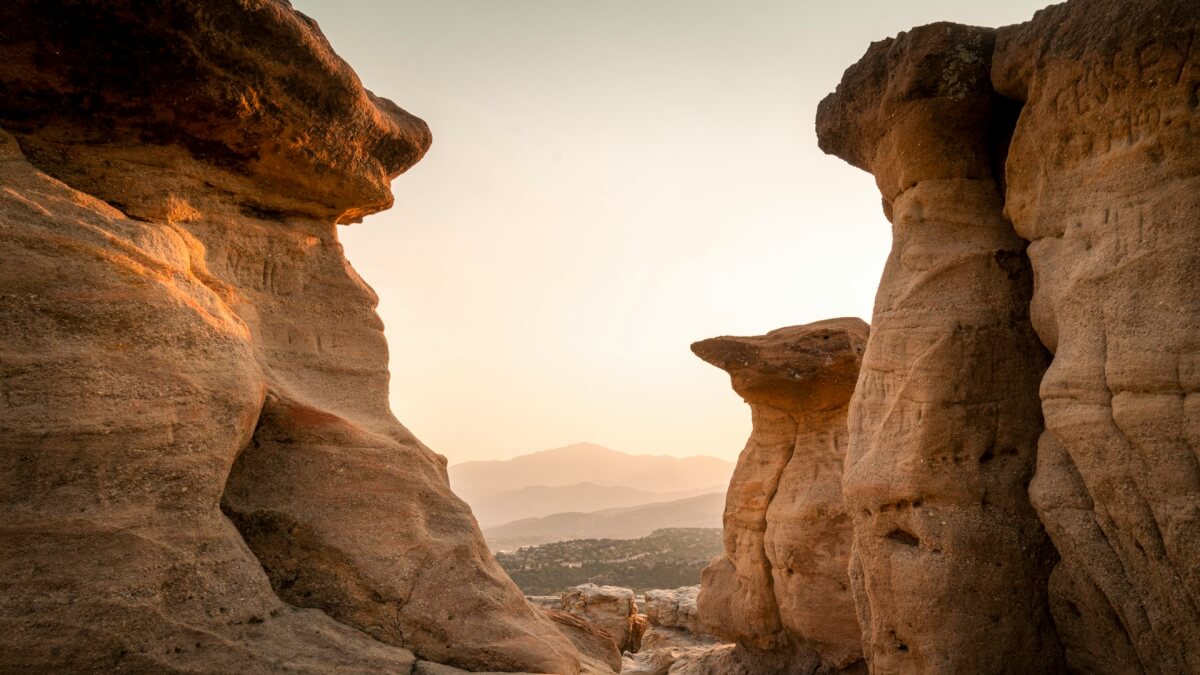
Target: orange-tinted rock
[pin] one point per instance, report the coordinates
(591, 640)
(950, 562)
(781, 585)
(182, 333)
(1103, 178)
(129, 389)
(610, 607)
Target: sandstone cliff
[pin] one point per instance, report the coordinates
(183, 336)
(1043, 182)
(945, 419)
(781, 590)
(1103, 180)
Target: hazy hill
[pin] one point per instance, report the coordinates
(667, 558)
(624, 523)
(587, 463)
(543, 500)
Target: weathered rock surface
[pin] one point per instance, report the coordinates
(725, 659)
(950, 563)
(664, 637)
(675, 608)
(1103, 179)
(673, 620)
(1079, 127)
(591, 640)
(782, 584)
(610, 607)
(182, 333)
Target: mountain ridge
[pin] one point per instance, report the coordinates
(578, 463)
(534, 501)
(703, 511)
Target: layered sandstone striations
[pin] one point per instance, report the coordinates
(182, 335)
(591, 640)
(1079, 128)
(781, 589)
(1103, 179)
(950, 562)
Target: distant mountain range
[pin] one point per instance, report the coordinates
(542, 500)
(583, 490)
(624, 523)
(587, 463)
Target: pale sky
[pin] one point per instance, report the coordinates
(609, 182)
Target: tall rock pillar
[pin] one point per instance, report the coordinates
(780, 590)
(1103, 179)
(949, 562)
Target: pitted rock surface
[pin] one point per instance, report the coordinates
(1103, 180)
(1076, 133)
(183, 335)
(950, 562)
(782, 587)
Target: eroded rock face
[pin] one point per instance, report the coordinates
(675, 608)
(950, 562)
(673, 620)
(782, 584)
(610, 607)
(182, 333)
(1103, 179)
(591, 640)
(1079, 127)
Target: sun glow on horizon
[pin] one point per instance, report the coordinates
(608, 183)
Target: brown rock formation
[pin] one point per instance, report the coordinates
(1100, 172)
(591, 640)
(673, 620)
(950, 562)
(675, 608)
(782, 585)
(181, 332)
(610, 607)
(1103, 178)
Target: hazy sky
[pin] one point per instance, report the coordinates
(609, 182)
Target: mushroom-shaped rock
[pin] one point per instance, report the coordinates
(781, 585)
(950, 562)
(610, 607)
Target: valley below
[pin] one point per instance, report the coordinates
(667, 558)
(587, 491)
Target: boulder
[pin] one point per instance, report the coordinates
(196, 422)
(610, 607)
(782, 585)
(674, 608)
(591, 640)
(673, 620)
